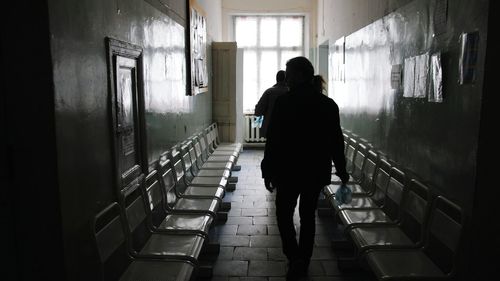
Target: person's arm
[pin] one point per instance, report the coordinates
(337, 150)
(267, 164)
(261, 107)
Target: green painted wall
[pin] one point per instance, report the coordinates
(78, 30)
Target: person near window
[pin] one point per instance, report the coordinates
(266, 102)
(303, 138)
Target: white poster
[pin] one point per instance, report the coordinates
(436, 88)
(421, 74)
(409, 78)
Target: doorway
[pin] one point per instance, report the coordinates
(323, 60)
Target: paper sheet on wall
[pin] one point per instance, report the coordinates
(396, 76)
(436, 88)
(469, 43)
(421, 74)
(409, 77)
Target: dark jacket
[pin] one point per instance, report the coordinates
(266, 103)
(303, 138)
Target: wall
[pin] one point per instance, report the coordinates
(29, 203)
(213, 9)
(436, 142)
(483, 260)
(78, 29)
(337, 18)
(213, 12)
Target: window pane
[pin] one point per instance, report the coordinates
(291, 32)
(250, 85)
(246, 31)
(268, 69)
(268, 32)
(286, 55)
(268, 43)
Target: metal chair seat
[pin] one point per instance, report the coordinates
(218, 152)
(198, 205)
(217, 165)
(436, 259)
(221, 158)
(209, 181)
(356, 189)
(401, 264)
(173, 245)
(214, 173)
(228, 145)
(197, 192)
(385, 236)
(183, 222)
(351, 217)
(356, 203)
(158, 270)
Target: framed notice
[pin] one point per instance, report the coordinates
(198, 46)
(126, 108)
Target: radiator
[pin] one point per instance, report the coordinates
(252, 134)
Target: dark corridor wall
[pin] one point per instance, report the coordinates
(436, 141)
(78, 30)
(29, 203)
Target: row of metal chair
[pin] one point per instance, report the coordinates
(160, 227)
(399, 227)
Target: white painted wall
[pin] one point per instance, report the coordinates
(327, 19)
(213, 9)
(337, 18)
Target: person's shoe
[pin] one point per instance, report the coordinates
(304, 267)
(297, 270)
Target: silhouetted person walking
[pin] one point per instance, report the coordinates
(266, 102)
(303, 138)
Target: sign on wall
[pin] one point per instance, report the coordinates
(198, 53)
(126, 110)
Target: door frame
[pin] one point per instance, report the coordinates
(124, 49)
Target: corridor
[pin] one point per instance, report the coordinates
(106, 94)
(250, 242)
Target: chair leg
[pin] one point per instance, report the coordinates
(212, 249)
(225, 206)
(325, 212)
(339, 240)
(210, 252)
(204, 271)
(221, 217)
(231, 187)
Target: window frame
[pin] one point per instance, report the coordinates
(278, 48)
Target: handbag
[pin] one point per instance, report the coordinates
(343, 195)
(257, 122)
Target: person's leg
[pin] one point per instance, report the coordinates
(307, 212)
(286, 201)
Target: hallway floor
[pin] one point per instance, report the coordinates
(250, 241)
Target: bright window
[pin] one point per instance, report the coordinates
(268, 42)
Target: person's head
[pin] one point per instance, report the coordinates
(280, 76)
(300, 71)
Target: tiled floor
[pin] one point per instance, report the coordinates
(250, 241)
